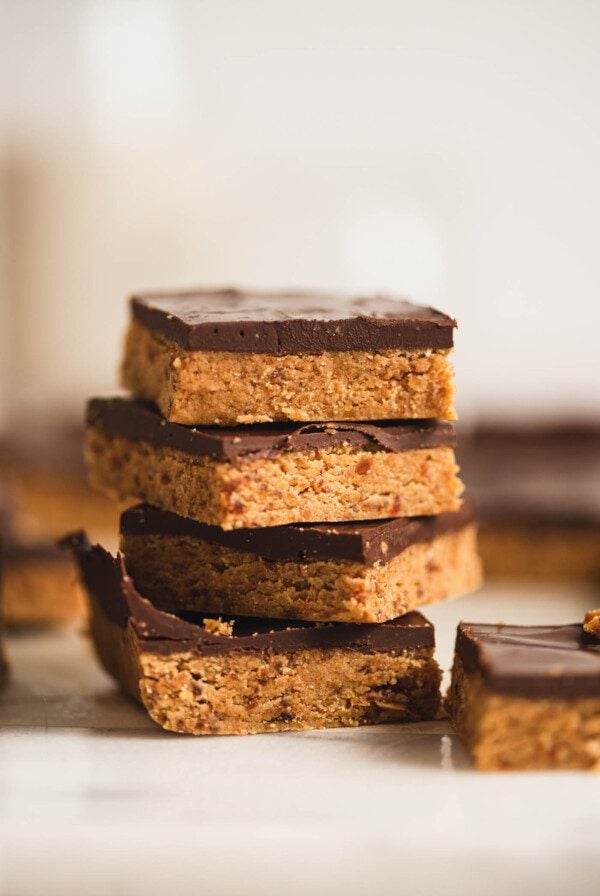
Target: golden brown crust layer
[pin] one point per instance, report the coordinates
(252, 693)
(322, 485)
(189, 574)
(40, 592)
(529, 552)
(235, 387)
(591, 623)
(505, 732)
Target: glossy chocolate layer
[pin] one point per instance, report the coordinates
(558, 661)
(140, 422)
(290, 323)
(367, 543)
(543, 475)
(111, 589)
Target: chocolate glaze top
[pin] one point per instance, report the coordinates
(112, 591)
(141, 422)
(532, 660)
(368, 543)
(543, 474)
(288, 323)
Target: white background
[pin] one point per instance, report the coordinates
(445, 150)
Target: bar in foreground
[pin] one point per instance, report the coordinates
(207, 675)
(527, 697)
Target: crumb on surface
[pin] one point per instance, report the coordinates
(218, 627)
(591, 622)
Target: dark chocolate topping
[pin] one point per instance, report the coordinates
(532, 660)
(111, 589)
(140, 421)
(367, 543)
(290, 323)
(545, 474)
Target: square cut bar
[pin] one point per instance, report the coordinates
(366, 572)
(43, 492)
(271, 475)
(527, 697)
(537, 492)
(43, 476)
(248, 676)
(225, 357)
(40, 586)
(39, 579)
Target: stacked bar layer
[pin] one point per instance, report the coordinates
(527, 697)
(368, 572)
(225, 357)
(203, 675)
(301, 499)
(256, 476)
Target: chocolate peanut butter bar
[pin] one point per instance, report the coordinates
(45, 494)
(40, 586)
(43, 475)
(222, 357)
(270, 475)
(365, 572)
(537, 492)
(527, 697)
(591, 623)
(208, 675)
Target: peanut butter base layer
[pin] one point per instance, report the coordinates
(224, 388)
(549, 552)
(42, 593)
(182, 573)
(507, 732)
(265, 691)
(334, 484)
(245, 676)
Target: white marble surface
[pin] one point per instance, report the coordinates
(94, 799)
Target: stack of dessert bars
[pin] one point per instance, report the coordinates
(300, 502)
